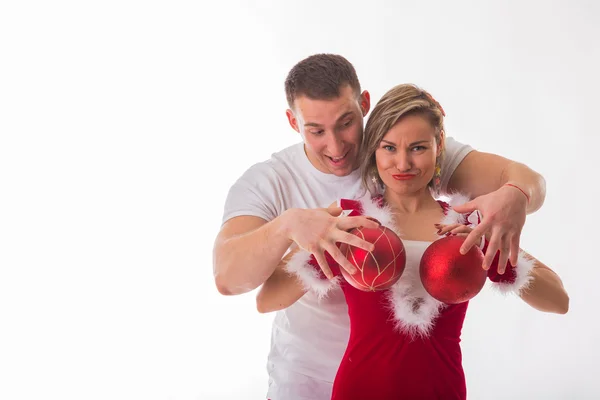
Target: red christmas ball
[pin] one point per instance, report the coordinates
(380, 268)
(447, 275)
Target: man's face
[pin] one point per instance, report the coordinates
(332, 129)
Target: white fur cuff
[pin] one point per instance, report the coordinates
(523, 277)
(311, 278)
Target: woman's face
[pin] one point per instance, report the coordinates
(406, 156)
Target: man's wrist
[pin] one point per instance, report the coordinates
(285, 223)
(520, 188)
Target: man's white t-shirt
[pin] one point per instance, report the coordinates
(308, 338)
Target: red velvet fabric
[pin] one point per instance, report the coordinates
(382, 363)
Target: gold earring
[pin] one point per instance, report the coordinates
(437, 176)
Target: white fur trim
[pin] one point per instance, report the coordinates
(311, 279)
(382, 214)
(523, 280)
(414, 310)
(452, 217)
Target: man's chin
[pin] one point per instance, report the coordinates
(345, 171)
(341, 173)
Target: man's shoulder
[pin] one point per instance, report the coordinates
(280, 163)
(259, 191)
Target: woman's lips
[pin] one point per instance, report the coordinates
(403, 177)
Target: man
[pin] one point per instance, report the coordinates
(280, 202)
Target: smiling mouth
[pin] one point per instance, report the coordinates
(338, 160)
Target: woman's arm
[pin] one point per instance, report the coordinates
(545, 291)
(281, 290)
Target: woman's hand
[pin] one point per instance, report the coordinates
(453, 229)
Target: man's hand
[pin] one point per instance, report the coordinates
(319, 230)
(504, 213)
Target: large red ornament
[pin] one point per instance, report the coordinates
(379, 269)
(447, 275)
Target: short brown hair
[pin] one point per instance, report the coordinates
(397, 103)
(320, 77)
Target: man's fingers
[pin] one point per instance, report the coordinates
(503, 258)
(355, 241)
(473, 238)
(466, 208)
(514, 249)
(491, 251)
(349, 223)
(334, 211)
(373, 219)
(337, 255)
(322, 261)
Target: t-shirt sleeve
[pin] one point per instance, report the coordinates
(255, 194)
(454, 154)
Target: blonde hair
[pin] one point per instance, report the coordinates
(400, 101)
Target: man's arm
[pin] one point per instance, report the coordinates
(485, 177)
(482, 173)
(248, 249)
(245, 252)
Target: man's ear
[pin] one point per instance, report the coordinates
(292, 120)
(365, 102)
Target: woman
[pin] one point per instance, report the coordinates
(403, 343)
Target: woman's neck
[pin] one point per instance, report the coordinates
(408, 203)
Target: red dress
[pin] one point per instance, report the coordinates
(403, 344)
(383, 362)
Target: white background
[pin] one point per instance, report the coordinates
(124, 123)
